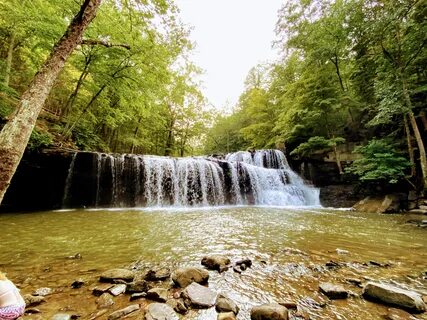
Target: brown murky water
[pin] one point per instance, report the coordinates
(34, 248)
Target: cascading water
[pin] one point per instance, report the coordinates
(243, 178)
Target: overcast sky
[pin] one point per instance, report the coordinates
(232, 36)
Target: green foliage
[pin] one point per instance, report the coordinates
(39, 140)
(380, 162)
(316, 144)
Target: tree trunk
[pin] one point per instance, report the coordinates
(424, 119)
(16, 133)
(9, 58)
(409, 143)
(414, 125)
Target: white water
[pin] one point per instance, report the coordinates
(259, 178)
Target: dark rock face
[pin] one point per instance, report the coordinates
(395, 296)
(40, 177)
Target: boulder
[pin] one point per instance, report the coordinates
(390, 203)
(157, 294)
(43, 292)
(115, 275)
(137, 286)
(395, 296)
(158, 275)
(185, 276)
(226, 316)
(118, 289)
(160, 311)
(269, 311)
(31, 300)
(199, 296)
(333, 291)
(138, 295)
(123, 312)
(216, 262)
(100, 289)
(224, 304)
(178, 305)
(397, 314)
(104, 301)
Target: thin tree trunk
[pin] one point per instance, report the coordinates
(135, 133)
(9, 59)
(414, 125)
(338, 160)
(423, 119)
(409, 143)
(73, 95)
(337, 70)
(16, 133)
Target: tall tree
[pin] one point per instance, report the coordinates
(16, 133)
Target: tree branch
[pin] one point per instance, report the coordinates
(94, 42)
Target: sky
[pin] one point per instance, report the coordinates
(231, 36)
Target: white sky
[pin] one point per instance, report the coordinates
(231, 36)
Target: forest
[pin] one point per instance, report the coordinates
(350, 72)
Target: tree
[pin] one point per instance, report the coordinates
(16, 133)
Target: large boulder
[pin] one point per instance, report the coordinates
(117, 275)
(395, 296)
(269, 311)
(185, 276)
(390, 203)
(199, 296)
(224, 304)
(160, 311)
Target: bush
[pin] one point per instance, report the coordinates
(39, 140)
(380, 162)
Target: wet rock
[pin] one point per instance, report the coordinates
(77, 284)
(104, 301)
(32, 311)
(418, 211)
(224, 304)
(157, 294)
(392, 295)
(77, 256)
(160, 311)
(390, 203)
(341, 251)
(199, 296)
(246, 262)
(31, 300)
(288, 304)
(98, 290)
(295, 251)
(136, 296)
(216, 262)
(237, 269)
(397, 314)
(333, 291)
(42, 292)
(158, 275)
(114, 275)
(137, 286)
(354, 281)
(333, 265)
(97, 314)
(62, 316)
(185, 276)
(269, 311)
(178, 305)
(123, 312)
(118, 289)
(226, 316)
(379, 264)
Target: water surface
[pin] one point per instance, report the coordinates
(34, 247)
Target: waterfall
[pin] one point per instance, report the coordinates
(244, 178)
